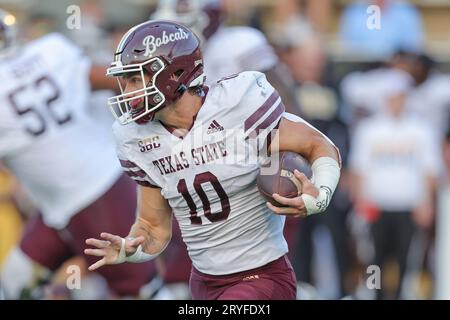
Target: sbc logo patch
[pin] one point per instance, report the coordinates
(149, 144)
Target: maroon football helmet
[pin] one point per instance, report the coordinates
(202, 16)
(169, 54)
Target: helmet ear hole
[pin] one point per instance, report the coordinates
(181, 89)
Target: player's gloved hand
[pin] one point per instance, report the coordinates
(113, 249)
(295, 206)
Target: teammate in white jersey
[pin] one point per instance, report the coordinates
(64, 159)
(191, 150)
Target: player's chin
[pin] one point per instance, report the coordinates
(137, 110)
(135, 113)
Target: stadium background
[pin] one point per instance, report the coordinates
(308, 36)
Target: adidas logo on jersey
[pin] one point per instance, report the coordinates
(214, 127)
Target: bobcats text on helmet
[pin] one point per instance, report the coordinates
(152, 43)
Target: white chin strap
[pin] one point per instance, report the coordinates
(199, 81)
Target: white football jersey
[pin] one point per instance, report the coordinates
(209, 175)
(365, 92)
(231, 50)
(394, 156)
(62, 156)
(430, 101)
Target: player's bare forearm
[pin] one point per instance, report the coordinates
(154, 220)
(320, 147)
(99, 80)
(151, 233)
(156, 238)
(324, 158)
(304, 140)
(430, 189)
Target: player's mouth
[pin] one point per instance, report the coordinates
(136, 106)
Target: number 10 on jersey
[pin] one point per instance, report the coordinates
(199, 180)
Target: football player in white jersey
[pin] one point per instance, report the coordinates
(64, 159)
(229, 50)
(191, 148)
(430, 98)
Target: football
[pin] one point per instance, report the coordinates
(277, 176)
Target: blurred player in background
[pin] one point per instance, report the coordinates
(395, 162)
(64, 159)
(442, 227)
(180, 139)
(430, 97)
(228, 50)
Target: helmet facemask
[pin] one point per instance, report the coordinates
(159, 60)
(122, 106)
(126, 106)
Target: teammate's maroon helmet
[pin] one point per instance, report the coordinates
(169, 53)
(202, 16)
